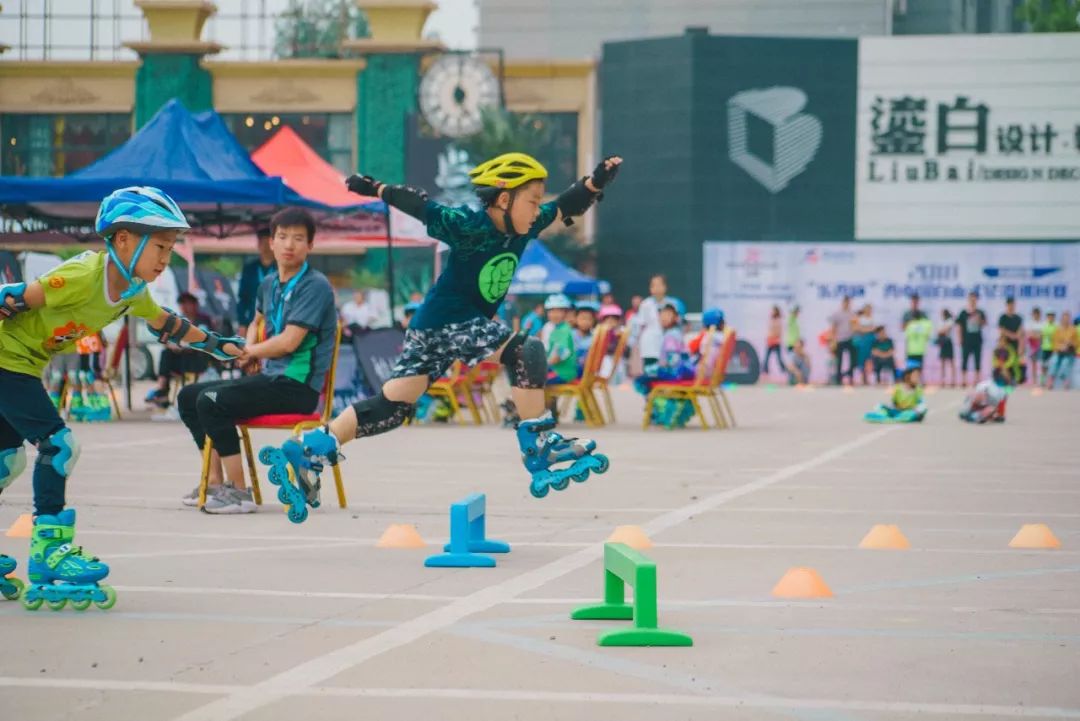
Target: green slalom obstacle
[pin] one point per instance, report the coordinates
(625, 566)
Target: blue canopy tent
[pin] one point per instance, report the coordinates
(193, 158)
(540, 272)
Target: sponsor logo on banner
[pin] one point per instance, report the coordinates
(944, 155)
(792, 135)
(967, 144)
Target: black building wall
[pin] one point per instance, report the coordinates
(666, 106)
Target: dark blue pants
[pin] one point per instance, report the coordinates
(27, 414)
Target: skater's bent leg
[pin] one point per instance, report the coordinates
(383, 412)
(526, 365)
(28, 412)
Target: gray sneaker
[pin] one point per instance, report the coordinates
(230, 500)
(191, 500)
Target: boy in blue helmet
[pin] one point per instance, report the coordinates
(48, 316)
(456, 322)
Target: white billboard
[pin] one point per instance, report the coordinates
(746, 280)
(968, 137)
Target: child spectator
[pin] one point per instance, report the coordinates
(1046, 341)
(798, 366)
(1004, 363)
(562, 360)
(1032, 338)
(793, 333)
(1065, 344)
(533, 320)
(584, 324)
(946, 348)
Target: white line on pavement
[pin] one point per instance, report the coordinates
(316, 670)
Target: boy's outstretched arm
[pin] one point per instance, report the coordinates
(403, 197)
(170, 327)
(20, 297)
(580, 196)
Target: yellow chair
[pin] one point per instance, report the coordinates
(457, 391)
(603, 381)
(294, 422)
(706, 384)
(481, 380)
(581, 389)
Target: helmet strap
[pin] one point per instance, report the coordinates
(507, 220)
(135, 285)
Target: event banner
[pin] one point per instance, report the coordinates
(968, 137)
(746, 280)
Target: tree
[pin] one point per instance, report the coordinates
(316, 28)
(504, 132)
(1050, 16)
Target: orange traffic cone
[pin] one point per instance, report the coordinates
(885, 537)
(401, 535)
(1035, 535)
(802, 583)
(632, 536)
(22, 527)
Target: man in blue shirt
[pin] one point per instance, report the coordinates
(455, 322)
(251, 277)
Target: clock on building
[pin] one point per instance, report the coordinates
(453, 91)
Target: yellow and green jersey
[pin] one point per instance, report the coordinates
(1047, 331)
(906, 398)
(76, 305)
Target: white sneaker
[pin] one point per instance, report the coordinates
(230, 500)
(191, 500)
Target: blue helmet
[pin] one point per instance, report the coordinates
(140, 209)
(678, 305)
(558, 300)
(590, 305)
(712, 318)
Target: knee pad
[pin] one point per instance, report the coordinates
(12, 463)
(379, 414)
(526, 362)
(60, 451)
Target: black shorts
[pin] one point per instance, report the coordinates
(431, 351)
(946, 351)
(971, 351)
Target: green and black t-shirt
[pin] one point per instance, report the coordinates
(482, 263)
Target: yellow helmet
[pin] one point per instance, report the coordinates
(508, 171)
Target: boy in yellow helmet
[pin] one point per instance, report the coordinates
(455, 322)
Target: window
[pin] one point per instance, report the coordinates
(329, 134)
(54, 145)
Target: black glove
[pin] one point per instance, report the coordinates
(603, 174)
(363, 185)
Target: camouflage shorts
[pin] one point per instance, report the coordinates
(431, 351)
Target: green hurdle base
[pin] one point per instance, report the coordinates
(623, 565)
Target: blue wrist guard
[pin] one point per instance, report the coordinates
(212, 345)
(17, 293)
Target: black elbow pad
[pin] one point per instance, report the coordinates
(406, 199)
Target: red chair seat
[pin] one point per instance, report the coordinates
(278, 420)
(671, 384)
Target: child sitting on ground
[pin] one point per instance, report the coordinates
(907, 401)
(985, 403)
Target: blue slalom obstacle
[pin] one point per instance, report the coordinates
(467, 541)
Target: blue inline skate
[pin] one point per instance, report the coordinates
(293, 466)
(10, 587)
(60, 572)
(542, 448)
